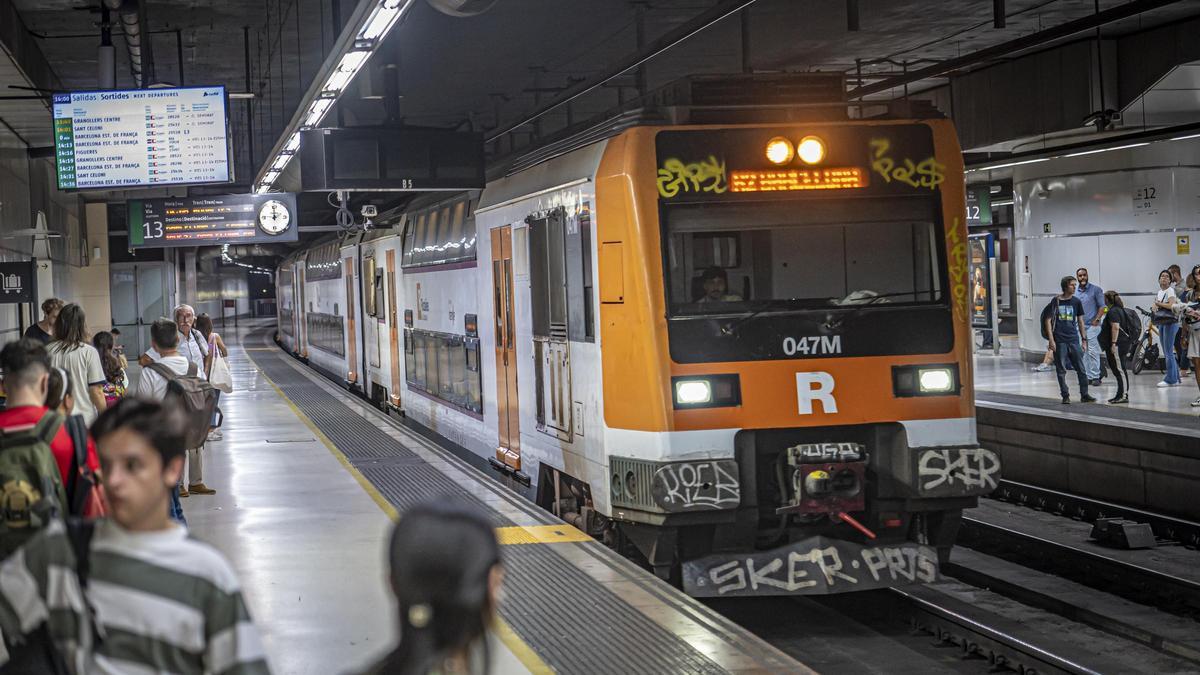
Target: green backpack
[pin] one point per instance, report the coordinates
(31, 489)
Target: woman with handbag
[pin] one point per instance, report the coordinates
(216, 368)
(1168, 326)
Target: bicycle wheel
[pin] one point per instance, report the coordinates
(1139, 357)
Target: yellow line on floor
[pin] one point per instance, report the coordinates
(540, 534)
(507, 635)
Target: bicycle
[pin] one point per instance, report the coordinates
(1145, 350)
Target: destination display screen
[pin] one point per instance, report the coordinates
(800, 162)
(212, 220)
(141, 138)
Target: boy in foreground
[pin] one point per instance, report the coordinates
(148, 598)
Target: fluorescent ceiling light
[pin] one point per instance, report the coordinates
(1009, 164)
(1119, 147)
(270, 177)
(316, 112)
(346, 70)
(281, 162)
(383, 18)
(262, 188)
(293, 143)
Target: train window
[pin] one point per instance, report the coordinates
(805, 258)
(440, 236)
(444, 366)
(368, 281)
(326, 332)
(380, 293)
(547, 274)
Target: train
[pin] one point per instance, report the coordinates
(732, 342)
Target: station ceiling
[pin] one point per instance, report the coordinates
(493, 68)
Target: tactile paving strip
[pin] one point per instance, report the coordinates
(573, 623)
(578, 626)
(354, 435)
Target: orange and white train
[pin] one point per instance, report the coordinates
(739, 350)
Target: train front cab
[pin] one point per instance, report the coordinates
(810, 427)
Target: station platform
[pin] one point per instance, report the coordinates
(308, 478)
(1007, 375)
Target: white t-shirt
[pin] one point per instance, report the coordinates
(151, 385)
(82, 363)
(1166, 295)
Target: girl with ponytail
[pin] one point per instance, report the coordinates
(446, 574)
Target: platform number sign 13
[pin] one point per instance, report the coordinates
(1145, 200)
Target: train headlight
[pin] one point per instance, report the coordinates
(810, 149)
(926, 380)
(779, 150)
(706, 391)
(693, 392)
(935, 380)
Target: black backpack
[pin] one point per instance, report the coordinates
(1131, 326)
(1048, 313)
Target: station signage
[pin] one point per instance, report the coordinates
(979, 207)
(141, 138)
(213, 220)
(18, 282)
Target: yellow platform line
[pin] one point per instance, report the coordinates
(540, 534)
(507, 635)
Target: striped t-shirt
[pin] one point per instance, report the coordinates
(163, 602)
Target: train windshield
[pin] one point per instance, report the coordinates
(781, 257)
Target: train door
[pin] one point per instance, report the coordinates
(351, 325)
(373, 298)
(393, 328)
(508, 449)
(302, 311)
(549, 309)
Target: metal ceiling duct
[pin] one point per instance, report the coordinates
(131, 26)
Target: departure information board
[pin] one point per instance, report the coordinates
(213, 220)
(141, 138)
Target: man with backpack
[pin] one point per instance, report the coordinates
(173, 376)
(25, 381)
(131, 593)
(1062, 323)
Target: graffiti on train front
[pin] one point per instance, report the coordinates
(813, 566)
(962, 471)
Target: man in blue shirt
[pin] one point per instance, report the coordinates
(1064, 325)
(1092, 298)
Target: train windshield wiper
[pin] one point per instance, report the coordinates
(767, 306)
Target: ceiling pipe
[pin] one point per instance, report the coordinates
(696, 25)
(1022, 43)
(128, 12)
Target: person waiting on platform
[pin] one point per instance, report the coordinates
(115, 379)
(216, 348)
(72, 351)
(43, 331)
(1168, 326)
(716, 284)
(155, 599)
(164, 338)
(1116, 343)
(1092, 297)
(1181, 336)
(1065, 328)
(446, 574)
(34, 388)
(1191, 319)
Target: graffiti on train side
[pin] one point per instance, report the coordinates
(697, 486)
(813, 566)
(962, 470)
